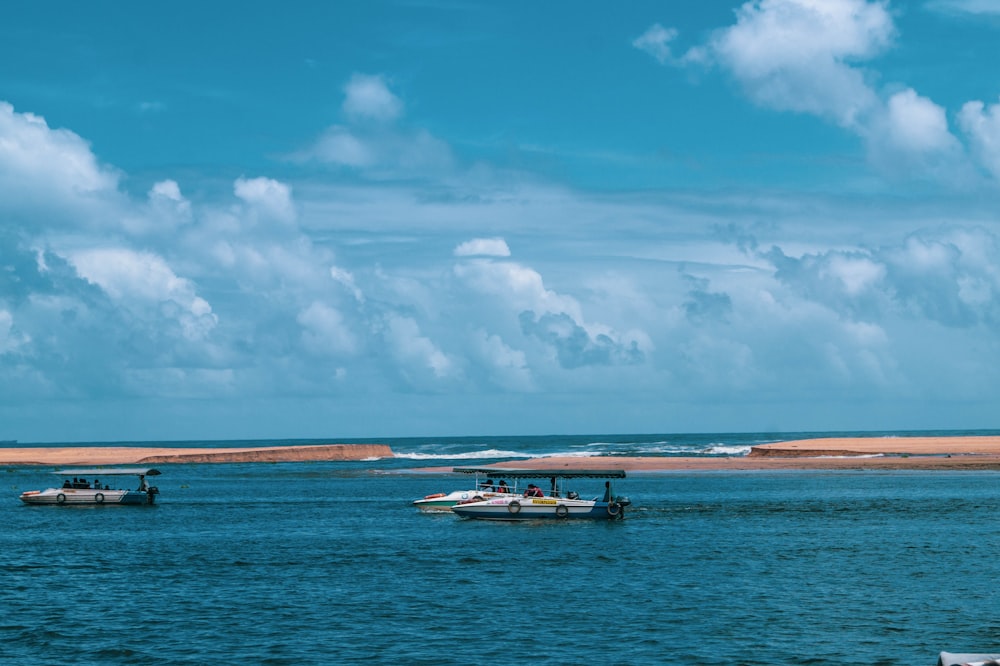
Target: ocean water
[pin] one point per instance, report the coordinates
(328, 563)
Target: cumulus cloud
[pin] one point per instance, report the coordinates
(486, 247)
(369, 98)
(48, 168)
(324, 331)
(506, 367)
(981, 125)
(948, 276)
(794, 55)
(373, 141)
(576, 346)
(267, 198)
(554, 319)
(419, 359)
(806, 56)
(167, 206)
(142, 281)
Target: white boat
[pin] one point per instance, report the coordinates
(77, 490)
(978, 659)
(558, 503)
(486, 489)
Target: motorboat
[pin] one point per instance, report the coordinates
(77, 490)
(556, 503)
(484, 488)
(977, 659)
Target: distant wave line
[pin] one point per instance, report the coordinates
(491, 453)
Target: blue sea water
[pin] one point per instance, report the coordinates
(328, 563)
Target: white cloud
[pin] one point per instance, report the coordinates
(487, 247)
(506, 367)
(267, 198)
(345, 278)
(807, 56)
(369, 98)
(419, 358)
(58, 159)
(142, 281)
(381, 149)
(553, 319)
(917, 124)
(656, 42)
(981, 125)
(793, 54)
(167, 205)
(325, 332)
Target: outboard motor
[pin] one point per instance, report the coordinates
(151, 494)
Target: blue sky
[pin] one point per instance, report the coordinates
(377, 219)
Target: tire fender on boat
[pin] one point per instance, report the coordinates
(562, 511)
(60, 498)
(99, 498)
(614, 508)
(514, 507)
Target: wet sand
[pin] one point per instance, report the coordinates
(925, 453)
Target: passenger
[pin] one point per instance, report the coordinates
(502, 487)
(97, 483)
(66, 484)
(142, 483)
(533, 491)
(487, 486)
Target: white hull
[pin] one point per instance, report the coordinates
(445, 502)
(538, 508)
(63, 496)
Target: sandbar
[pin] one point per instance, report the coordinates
(138, 455)
(916, 453)
(848, 453)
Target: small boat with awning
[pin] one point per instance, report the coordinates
(556, 502)
(77, 490)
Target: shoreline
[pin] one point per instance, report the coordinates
(857, 453)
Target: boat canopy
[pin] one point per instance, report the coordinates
(522, 473)
(110, 471)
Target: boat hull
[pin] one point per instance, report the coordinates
(540, 508)
(91, 496)
(445, 502)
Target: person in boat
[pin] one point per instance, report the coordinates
(502, 487)
(487, 486)
(533, 491)
(142, 483)
(97, 483)
(67, 484)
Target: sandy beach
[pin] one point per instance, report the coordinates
(953, 453)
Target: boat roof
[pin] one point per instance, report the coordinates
(525, 473)
(110, 471)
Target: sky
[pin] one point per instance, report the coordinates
(251, 220)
